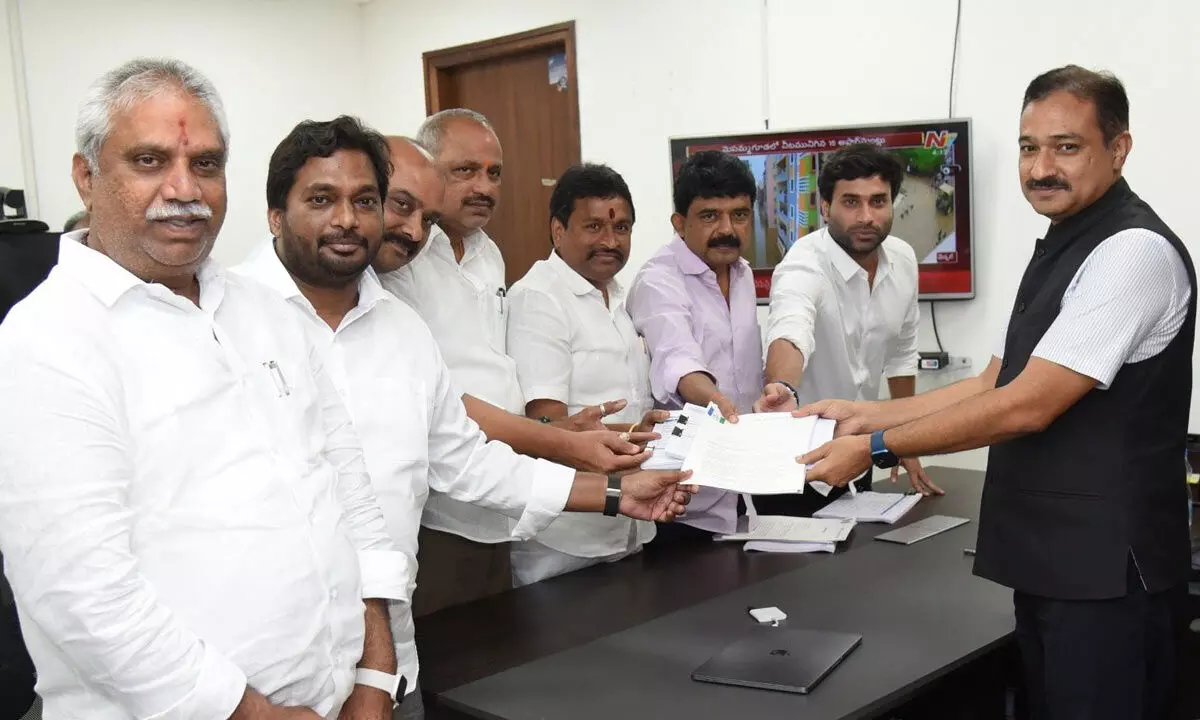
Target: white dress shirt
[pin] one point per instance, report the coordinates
(1126, 303)
(465, 306)
(851, 334)
(414, 428)
(572, 348)
(184, 508)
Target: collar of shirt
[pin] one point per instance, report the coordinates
(1079, 222)
(109, 281)
(692, 264)
(265, 266)
(580, 285)
(439, 242)
(846, 265)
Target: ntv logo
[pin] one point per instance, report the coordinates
(937, 139)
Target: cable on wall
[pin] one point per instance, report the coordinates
(949, 113)
(766, 68)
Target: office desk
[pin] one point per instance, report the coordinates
(620, 641)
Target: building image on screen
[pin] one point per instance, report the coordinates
(931, 211)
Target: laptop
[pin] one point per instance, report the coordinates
(773, 658)
(922, 529)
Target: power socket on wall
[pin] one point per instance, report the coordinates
(938, 361)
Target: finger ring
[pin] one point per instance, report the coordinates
(603, 409)
(624, 437)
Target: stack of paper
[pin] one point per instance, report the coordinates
(757, 455)
(659, 459)
(773, 533)
(870, 507)
(678, 433)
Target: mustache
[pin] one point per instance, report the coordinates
(174, 210)
(347, 237)
(870, 226)
(1050, 183)
(402, 239)
(725, 241)
(483, 200)
(615, 252)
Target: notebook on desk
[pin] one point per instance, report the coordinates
(772, 658)
(870, 507)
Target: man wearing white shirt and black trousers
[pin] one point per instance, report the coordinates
(575, 346)
(185, 516)
(844, 306)
(323, 185)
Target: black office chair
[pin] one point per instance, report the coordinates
(25, 261)
(16, 669)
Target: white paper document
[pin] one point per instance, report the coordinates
(870, 507)
(659, 459)
(778, 528)
(788, 547)
(687, 425)
(756, 455)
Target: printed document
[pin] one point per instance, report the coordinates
(757, 455)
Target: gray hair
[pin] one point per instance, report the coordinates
(421, 149)
(137, 80)
(430, 134)
(73, 221)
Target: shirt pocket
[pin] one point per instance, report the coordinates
(494, 306)
(292, 404)
(391, 414)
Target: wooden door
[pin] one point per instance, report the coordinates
(526, 86)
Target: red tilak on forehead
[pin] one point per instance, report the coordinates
(612, 214)
(183, 138)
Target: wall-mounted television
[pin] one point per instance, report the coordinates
(932, 211)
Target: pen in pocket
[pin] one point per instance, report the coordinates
(281, 385)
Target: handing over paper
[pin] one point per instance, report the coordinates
(758, 454)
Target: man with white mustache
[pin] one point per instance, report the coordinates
(185, 514)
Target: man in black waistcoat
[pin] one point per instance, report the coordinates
(1085, 407)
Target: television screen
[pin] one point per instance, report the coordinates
(932, 211)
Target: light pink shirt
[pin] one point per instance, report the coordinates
(677, 306)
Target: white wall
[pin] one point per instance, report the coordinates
(649, 71)
(1150, 46)
(12, 163)
(275, 63)
(652, 70)
(641, 77)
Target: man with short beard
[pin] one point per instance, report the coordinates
(844, 307)
(324, 187)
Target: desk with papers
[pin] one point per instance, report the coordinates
(620, 640)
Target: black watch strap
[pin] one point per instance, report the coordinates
(788, 385)
(612, 496)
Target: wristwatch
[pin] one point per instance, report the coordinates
(393, 685)
(880, 455)
(612, 496)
